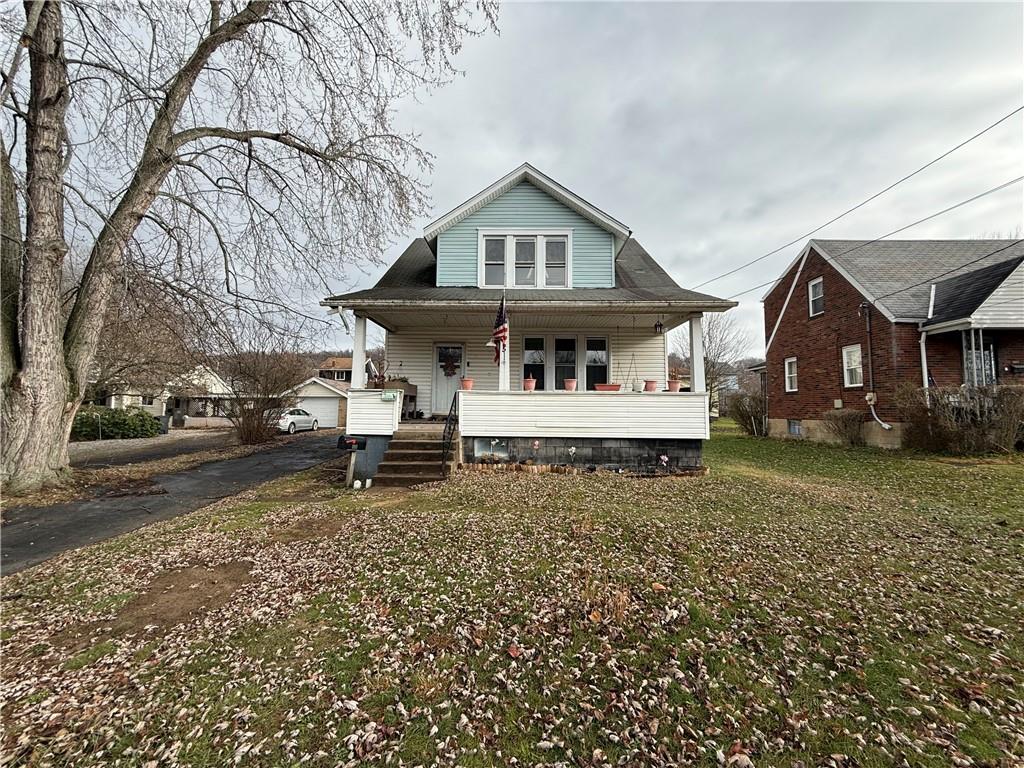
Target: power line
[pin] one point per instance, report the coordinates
(863, 203)
(895, 231)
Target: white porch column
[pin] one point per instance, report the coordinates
(697, 383)
(504, 378)
(359, 354)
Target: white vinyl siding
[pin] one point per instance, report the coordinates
(678, 415)
(790, 374)
(853, 372)
(634, 353)
(369, 414)
(1004, 308)
(816, 296)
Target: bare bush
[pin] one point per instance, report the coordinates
(846, 424)
(962, 420)
(749, 411)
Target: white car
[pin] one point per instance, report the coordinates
(294, 419)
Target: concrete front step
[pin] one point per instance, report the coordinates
(392, 467)
(418, 434)
(415, 445)
(414, 454)
(403, 481)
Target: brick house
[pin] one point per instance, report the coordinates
(850, 321)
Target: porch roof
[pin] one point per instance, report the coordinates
(958, 298)
(640, 285)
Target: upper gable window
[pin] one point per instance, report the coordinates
(816, 296)
(494, 261)
(525, 258)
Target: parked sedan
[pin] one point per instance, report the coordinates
(295, 419)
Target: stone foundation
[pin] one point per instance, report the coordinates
(632, 454)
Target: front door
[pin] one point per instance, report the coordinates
(447, 372)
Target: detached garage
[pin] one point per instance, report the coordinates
(325, 400)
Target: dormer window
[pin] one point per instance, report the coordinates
(525, 258)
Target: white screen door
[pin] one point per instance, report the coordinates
(447, 372)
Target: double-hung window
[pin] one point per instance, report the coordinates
(526, 261)
(816, 296)
(524, 258)
(790, 374)
(853, 370)
(556, 262)
(494, 262)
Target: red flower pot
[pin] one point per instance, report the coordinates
(570, 385)
(674, 385)
(607, 387)
(529, 385)
(650, 385)
(467, 383)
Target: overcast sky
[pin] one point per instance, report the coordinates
(718, 132)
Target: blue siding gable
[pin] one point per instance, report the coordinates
(522, 207)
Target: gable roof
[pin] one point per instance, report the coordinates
(527, 172)
(896, 275)
(638, 278)
(959, 297)
(342, 363)
(326, 383)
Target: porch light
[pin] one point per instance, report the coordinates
(659, 327)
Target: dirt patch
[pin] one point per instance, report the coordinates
(314, 527)
(171, 598)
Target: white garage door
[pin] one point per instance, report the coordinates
(324, 410)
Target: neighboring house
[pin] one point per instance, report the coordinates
(198, 396)
(587, 306)
(339, 369)
(850, 321)
(325, 399)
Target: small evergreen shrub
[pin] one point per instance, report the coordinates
(962, 420)
(847, 424)
(749, 411)
(93, 422)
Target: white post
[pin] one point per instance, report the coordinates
(359, 354)
(697, 383)
(504, 382)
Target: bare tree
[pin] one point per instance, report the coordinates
(725, 342)
(261, 364)
(220, 148)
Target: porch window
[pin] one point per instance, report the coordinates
(597, 362)
(533, 359)
(565, 360)
(494, 262)
(816, 296)
(526, 261)
(790, 374)
(556, 269)
(853, 371)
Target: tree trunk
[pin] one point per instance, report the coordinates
(36, 410)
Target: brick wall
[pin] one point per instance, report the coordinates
(817, 343)
(1009, 350)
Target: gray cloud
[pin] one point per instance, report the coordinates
(720, 131)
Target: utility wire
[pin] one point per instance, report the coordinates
(895, 231)
(864, 202)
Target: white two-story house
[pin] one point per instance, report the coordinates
(588, 310)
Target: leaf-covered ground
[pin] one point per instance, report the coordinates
(800, 606)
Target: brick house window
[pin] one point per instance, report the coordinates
(794, 427)
(816, 296)
(791, 374)
(853, 370)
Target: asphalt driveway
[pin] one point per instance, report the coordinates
(33, 534)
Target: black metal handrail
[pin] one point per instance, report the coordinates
(449, 433)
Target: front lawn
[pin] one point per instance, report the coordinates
(800, 605)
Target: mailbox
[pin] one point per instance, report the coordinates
(351, 443)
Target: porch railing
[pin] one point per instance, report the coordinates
(450, 425)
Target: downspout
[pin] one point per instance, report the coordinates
(924, 368)
(871, 397)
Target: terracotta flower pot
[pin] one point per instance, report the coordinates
(650, 385)
(607, 387)
(529, 385)
(674, 385)
(467, 383)
(570, 385)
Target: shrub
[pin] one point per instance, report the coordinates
(749, 412)
(962, 420)
(95, 421)
(847, 424)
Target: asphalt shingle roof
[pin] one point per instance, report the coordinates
(884, 268)
(638, 277)
(958, 297)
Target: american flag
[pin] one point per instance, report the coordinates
(500, 334)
